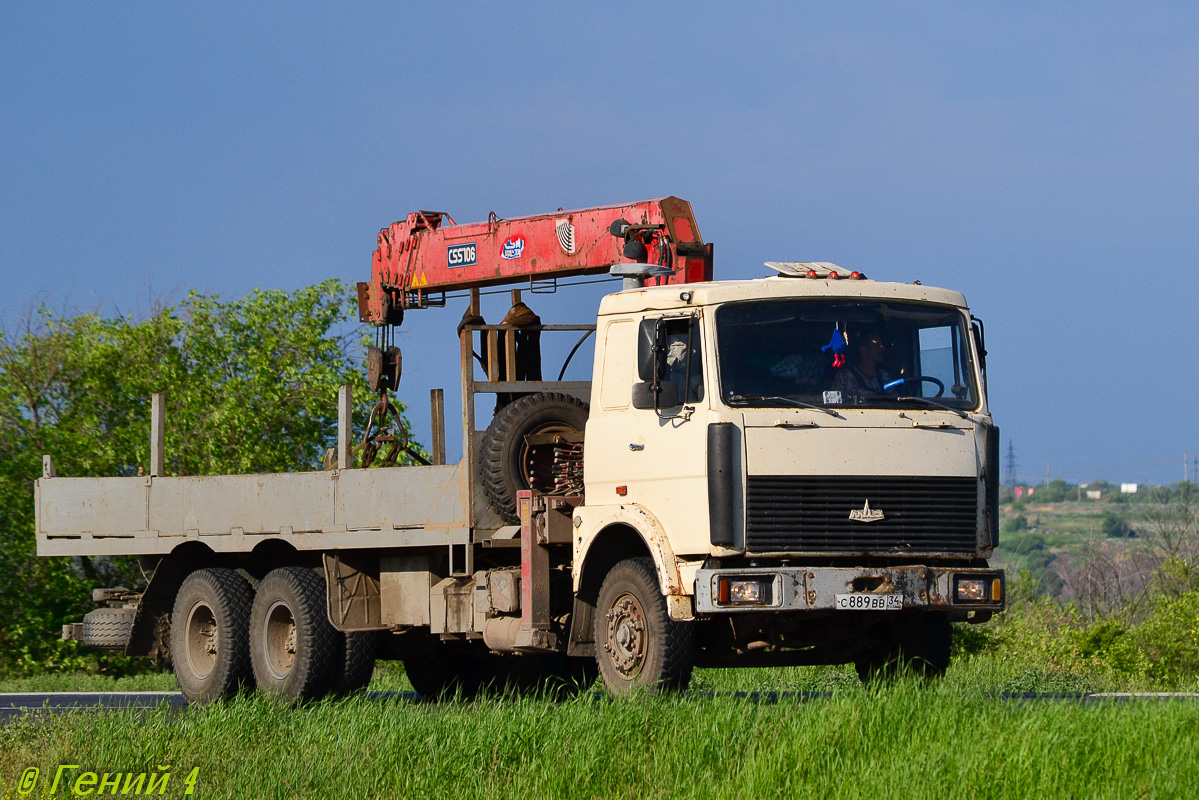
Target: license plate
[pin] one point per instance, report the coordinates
(868, 602)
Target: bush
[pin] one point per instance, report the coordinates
(1026, 544)
(974, 640)
(1038, 679)
(1114, 526)
(1169, 638)
(1015, 524)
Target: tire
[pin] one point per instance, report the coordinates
(296, 654)
(504, 449)
(108, 628)
(359, 664)
(919, 646)
(210, 635)
(638, 646)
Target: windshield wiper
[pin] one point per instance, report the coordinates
(746, 399)
(927, 402)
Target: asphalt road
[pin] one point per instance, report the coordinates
(16, 704)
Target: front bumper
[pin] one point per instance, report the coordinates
(816, 588)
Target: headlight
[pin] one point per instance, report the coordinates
(755, 591)
(971, 590)
(745, 592)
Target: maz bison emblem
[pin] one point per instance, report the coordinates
(866, 514)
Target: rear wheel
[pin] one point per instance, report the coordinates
(638, 646)
(296, 654)
(359, 664)
(209, 634)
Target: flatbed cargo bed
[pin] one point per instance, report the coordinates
(329, 510)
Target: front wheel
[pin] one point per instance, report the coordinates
(637, 645)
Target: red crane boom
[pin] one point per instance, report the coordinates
(418, 260)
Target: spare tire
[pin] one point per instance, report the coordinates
(504, 449)
(108, 628)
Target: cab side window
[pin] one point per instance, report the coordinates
(684, 364)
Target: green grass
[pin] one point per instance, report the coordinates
(81, 682)
(953, 737)
(988, 672)
(904, 741)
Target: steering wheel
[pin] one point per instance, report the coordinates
(918, 379)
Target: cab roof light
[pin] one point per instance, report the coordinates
(808, 269)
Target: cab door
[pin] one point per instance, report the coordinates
(654, 457)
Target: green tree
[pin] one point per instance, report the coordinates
(1056, 491)
(251, 386)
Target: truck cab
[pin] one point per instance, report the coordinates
(803, 501)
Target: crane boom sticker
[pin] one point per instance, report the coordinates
(514, 247)
(462, 255)
(566, 235)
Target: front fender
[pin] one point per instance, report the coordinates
(595, 520)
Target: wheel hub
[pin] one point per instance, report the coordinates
(280, 640)
(203, 640)
(626, 635)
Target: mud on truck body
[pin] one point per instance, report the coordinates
(722, 492)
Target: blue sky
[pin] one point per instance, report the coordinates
(1043, 160)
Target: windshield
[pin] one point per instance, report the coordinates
(867, 353)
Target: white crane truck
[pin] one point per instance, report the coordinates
(798, 469)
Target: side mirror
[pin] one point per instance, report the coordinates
(648, 349)
(980, 344)
(643, 395)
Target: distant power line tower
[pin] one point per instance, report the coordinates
(1009, 466)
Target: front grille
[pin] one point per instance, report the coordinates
(811, 513)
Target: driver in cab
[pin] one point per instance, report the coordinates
(865, 377)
